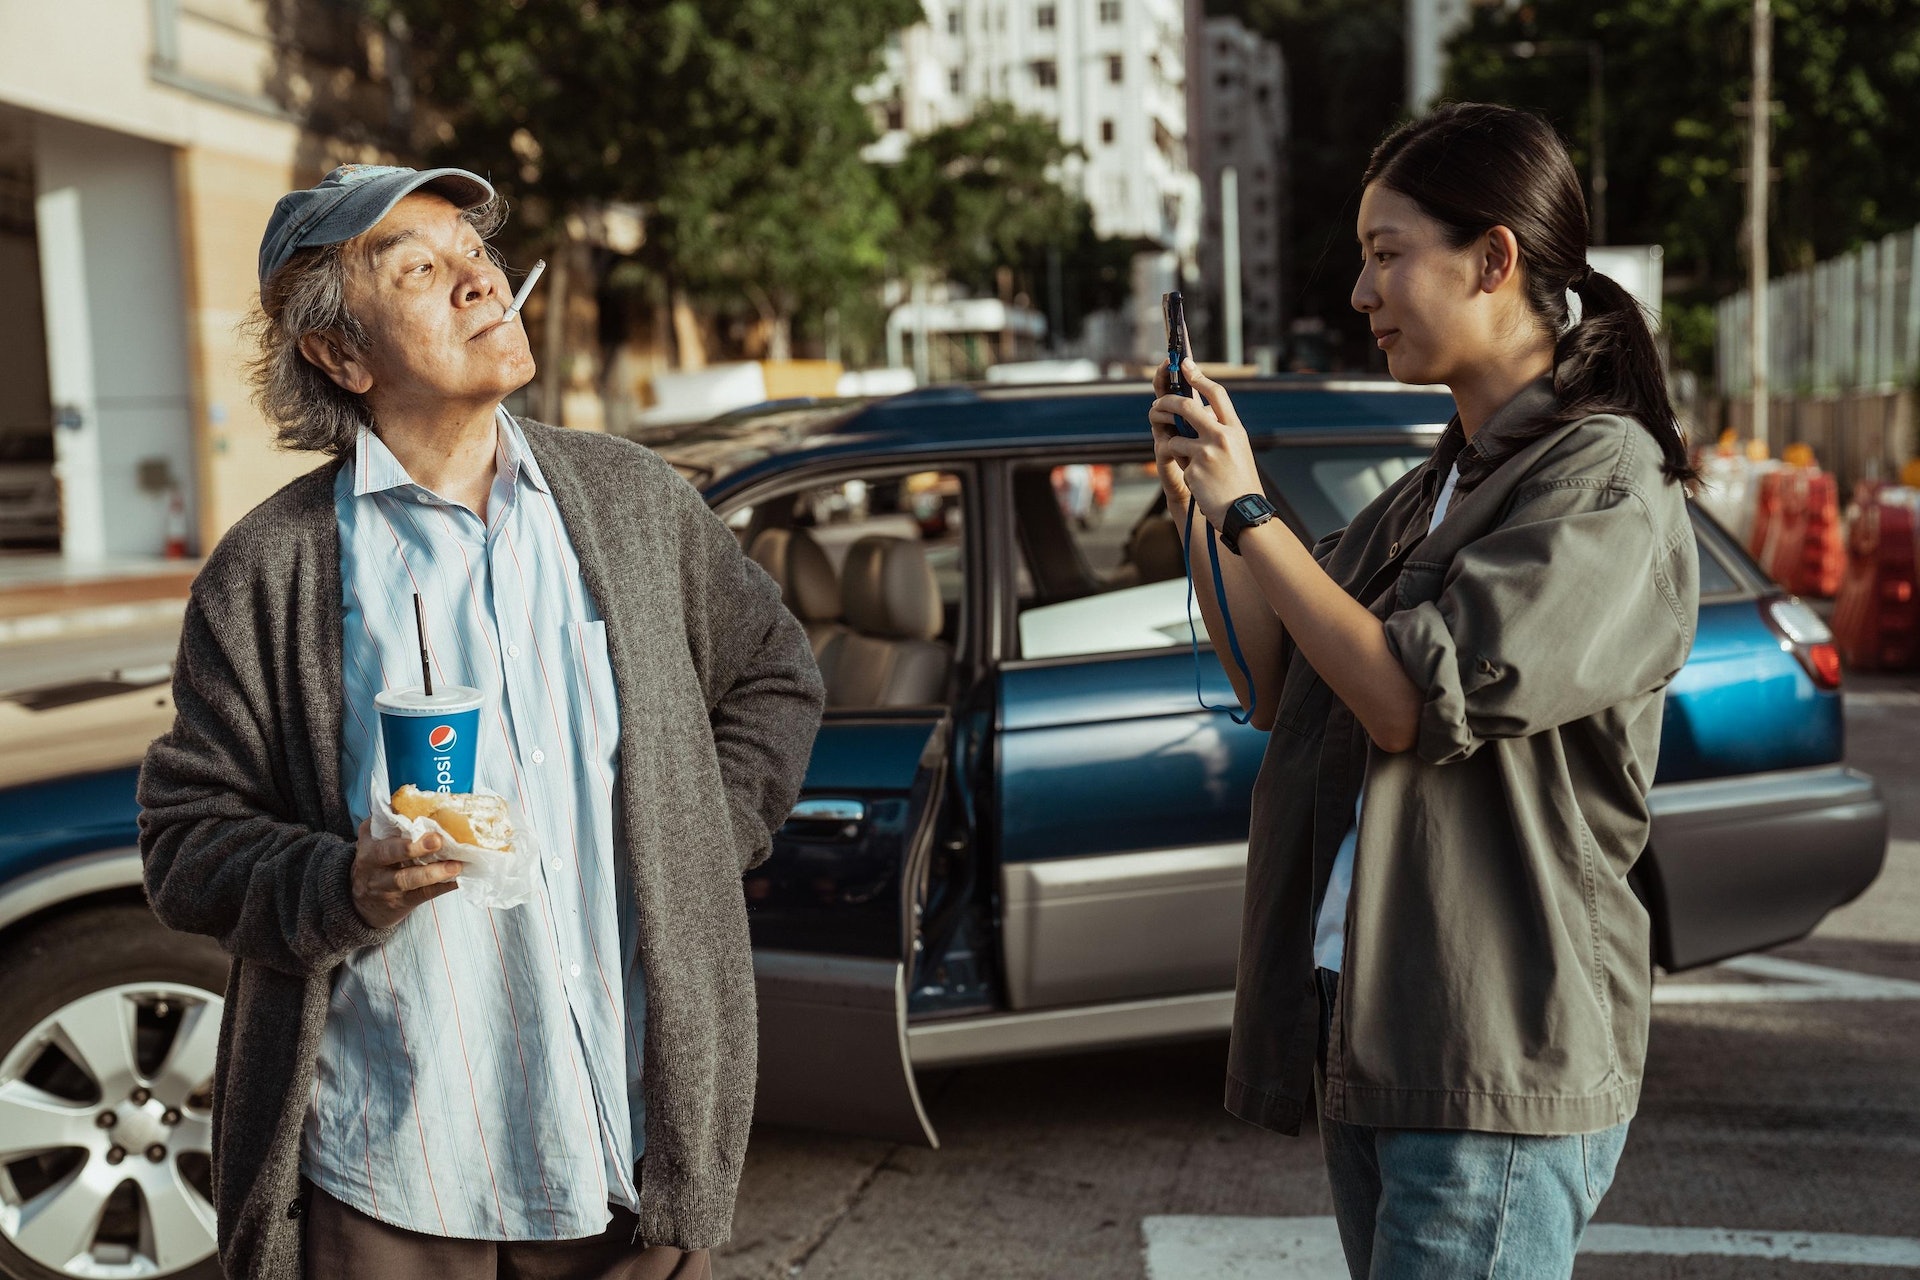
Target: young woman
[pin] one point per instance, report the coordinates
(1464, 689)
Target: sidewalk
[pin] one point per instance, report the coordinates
(44, 596)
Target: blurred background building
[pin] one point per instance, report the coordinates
(1112, 76)
(141, 149)
(1243, 80)
(980, 184)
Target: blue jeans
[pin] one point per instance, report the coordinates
(1438, 1204)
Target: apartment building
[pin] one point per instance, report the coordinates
(1111, 74)
(1244, 127)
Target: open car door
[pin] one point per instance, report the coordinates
(835, 913)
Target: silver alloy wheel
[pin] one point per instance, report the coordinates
(141, 1127)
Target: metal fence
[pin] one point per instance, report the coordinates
(1848, 324)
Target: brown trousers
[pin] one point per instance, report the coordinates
(345, 1244)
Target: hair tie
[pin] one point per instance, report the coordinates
(1580, 277)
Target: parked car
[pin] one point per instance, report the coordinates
(1019, 833)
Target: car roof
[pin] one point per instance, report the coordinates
(944, 420)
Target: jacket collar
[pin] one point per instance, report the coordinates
(1497, 438)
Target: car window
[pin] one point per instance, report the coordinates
(1328, 485)
(1099, 568)
(928, 507)
(1715, 578)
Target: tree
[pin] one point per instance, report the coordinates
(731, 122)
(985, 204)
(1846, 75)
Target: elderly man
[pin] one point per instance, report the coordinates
(409, 1085)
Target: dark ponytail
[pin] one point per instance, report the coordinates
(1471, 167)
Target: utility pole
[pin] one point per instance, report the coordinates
(1760, 117)
(1230, 260)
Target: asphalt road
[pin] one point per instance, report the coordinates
(1791, 1127)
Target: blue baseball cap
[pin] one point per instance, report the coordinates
(353, 199)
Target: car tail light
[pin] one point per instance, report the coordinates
(1804, 634)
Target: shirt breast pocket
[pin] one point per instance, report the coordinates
(596, 705)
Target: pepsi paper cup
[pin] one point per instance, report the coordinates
(430, 738)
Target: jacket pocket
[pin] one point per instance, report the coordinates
(1304, 700)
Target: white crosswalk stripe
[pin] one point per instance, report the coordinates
(1785, 981)
(1194, 1247)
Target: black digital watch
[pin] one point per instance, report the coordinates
(1246, 512)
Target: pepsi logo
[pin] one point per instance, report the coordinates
(441, 737)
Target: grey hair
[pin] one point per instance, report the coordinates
(309, 411)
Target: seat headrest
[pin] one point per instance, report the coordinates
(887, 589)
(808, 585)
(1155, 550)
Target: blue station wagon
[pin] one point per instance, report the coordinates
(1020, 831)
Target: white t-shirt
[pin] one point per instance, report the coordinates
(1330, 930)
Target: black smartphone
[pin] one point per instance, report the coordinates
(1178, 349)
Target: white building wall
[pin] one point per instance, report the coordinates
(1136, 175)
(116, 337)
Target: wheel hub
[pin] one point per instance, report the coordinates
(64, 1160)
(135, 1127)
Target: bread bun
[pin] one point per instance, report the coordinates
(478, 820)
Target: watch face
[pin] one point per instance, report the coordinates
(1250, 507)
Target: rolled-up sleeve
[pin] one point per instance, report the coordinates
(1566, 608)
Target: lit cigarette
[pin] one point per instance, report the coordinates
(526, 287)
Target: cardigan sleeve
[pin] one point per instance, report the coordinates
(763, 687)
(218, 856)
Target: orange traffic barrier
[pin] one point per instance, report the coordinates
(1766, 509)
(1821, 561)
(1780, 552)
(1803, 549)
(1876, 619)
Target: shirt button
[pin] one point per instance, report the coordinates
(539, 756)
(513, 651)
(556, 864)
(574, 969)
(1393, 550)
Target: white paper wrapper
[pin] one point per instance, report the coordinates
(492, 879)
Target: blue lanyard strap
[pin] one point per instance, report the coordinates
(1226, 616)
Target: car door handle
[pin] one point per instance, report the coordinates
(829, 810)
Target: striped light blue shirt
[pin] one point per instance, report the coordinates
(480, 1073)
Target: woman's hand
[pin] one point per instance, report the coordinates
(1170, 466)
(1216, 466)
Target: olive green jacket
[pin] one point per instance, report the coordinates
(1497, 971)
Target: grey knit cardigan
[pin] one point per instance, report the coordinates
(245, 833)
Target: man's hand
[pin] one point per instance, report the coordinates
(388, 883)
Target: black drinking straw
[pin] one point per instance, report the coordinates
(420, 626)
